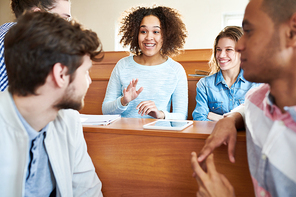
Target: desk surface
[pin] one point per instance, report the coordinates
(132, 161)
(199, 129)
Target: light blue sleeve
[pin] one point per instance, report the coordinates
(179, 97)
(201, 110)
(112, 103)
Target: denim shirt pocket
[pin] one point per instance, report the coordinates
(240, 101)
(216, 107)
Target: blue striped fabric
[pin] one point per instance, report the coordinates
(3, 76)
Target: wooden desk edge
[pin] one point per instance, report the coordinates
(186, 133)
(144, 132)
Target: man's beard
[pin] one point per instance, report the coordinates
(70, 100)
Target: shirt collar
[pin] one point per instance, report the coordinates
(32, 133)
(289, 109)
(241, 76)
(220, 78)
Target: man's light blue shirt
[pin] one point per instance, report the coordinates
(213, 95)
(40, 180)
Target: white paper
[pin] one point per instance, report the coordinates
(87, 119)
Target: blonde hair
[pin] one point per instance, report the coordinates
(232, 32)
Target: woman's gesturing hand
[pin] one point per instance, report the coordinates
(130, 93)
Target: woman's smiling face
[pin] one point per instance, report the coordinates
(150, 36)
(226, 55)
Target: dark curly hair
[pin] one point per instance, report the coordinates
(173, 29)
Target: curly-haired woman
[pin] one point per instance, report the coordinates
(152, 34)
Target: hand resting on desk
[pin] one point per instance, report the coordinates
(149, 108)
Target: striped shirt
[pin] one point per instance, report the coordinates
(3, 76)
(271, 144)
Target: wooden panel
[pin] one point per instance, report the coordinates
(101, 71)
(131, 161)
(94, 98)
(191, 55)
(142, 165)
(113, 56)
(190, 60)
(194, 55)
(190, 67)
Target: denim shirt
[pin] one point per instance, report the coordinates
(213, 95)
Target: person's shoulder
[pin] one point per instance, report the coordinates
(5, 103)
(126, 59)
(209, 79)
(212, 76)
(174, 65)
(68, 112)
(67, 116)
(5, 27)
(124, 62)
(257, 94)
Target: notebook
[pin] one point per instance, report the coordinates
(87, 119)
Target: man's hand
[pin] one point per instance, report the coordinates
(210, 183)
(149, 108)
(225, 132)
(130, 93)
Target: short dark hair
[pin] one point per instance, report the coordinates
(37, 42)
(172, 28)
(20, 6)
(279, 10)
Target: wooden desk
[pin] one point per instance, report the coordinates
(133, 162)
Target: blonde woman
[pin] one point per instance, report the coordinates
(225, 89)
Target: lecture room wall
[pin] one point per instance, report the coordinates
(203, 18)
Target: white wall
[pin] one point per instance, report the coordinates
(203, 18)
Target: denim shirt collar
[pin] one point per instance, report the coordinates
(220, 78)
